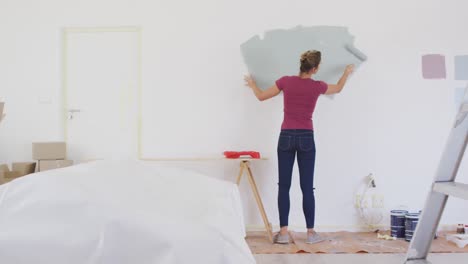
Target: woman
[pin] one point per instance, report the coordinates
(297, 136)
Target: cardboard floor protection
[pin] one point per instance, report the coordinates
(343, 242)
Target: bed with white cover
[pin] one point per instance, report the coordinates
(121, 212)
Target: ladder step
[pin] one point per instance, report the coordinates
(456, 189)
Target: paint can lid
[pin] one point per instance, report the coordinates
(398, 212)
(412, 215)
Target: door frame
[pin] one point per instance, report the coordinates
(66, 32)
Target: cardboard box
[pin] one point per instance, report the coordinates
(24, 168)
(11, 175)
(6, 180)
(6, 175)
(49, 150)
(3, 168)
(45, 165)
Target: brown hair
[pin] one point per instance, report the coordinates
(309, 60)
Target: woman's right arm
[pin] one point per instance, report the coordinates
(336, 88)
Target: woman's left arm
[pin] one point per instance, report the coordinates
(261, 95)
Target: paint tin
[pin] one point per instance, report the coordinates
(411, 222)
(397, 223)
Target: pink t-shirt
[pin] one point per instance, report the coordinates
(300, 98)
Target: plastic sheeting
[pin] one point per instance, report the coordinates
(121, 212)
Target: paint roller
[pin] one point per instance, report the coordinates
(357, 53)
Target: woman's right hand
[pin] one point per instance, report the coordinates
(336, 88)
(349, 69)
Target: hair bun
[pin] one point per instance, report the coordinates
(309, 60)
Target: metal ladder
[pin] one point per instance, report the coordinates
(444, 186)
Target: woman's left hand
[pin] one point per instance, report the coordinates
(249, 81)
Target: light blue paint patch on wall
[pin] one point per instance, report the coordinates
(278, 53)
(461, 67)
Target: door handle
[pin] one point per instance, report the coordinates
(71, 113)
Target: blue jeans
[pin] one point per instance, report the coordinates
(300, 141)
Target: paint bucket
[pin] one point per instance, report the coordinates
(397, 223)
(411, 222)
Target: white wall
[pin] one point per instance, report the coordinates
(388, 120)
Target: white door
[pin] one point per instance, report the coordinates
(101, 88)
